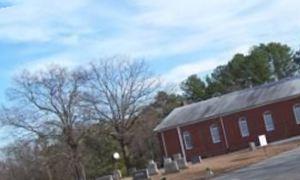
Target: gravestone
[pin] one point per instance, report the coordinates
(167, 160)
(117, 175)
(177, 156)
(252, 146)
(171, 167)
(182, 164)
(109, 177)
(141, 175)
(196, 159)
(152, 168)
(132, 171)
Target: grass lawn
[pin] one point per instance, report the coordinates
(228, 162)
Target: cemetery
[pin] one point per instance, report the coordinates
(213, 166)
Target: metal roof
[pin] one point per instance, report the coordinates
(232, 102)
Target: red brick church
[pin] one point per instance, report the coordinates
(229, 122)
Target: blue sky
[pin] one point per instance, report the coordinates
(177, 38)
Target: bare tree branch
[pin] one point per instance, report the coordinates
(49, 104)
(119, 89)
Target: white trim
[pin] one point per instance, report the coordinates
(213, 129)
(164, 144)
(268, 129)
(186, 135)
(181, 143)
(224, 132)
(297, 118)
(240, 121)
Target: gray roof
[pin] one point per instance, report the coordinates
(232, 102)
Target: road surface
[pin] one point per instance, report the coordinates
(285, 166)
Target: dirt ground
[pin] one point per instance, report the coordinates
(228, 162)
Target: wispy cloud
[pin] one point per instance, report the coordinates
(154, 29)
(40, 64)
(180, 72)
(179, 38)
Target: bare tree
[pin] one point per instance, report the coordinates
(119, 90)
(23, 162)
(49, 105)
(27, 159)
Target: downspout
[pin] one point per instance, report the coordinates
(164, 144)
(224, 132)
(181, 142)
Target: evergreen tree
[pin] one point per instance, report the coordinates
(193, 88)
(280, 59)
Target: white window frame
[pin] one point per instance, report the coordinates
(269, 123)
(243, 125)
(296, 109)
(188, 140)
(215, 133)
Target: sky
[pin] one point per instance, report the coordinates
(176, 38)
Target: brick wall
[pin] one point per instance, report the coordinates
(172, 142)
(283, 118)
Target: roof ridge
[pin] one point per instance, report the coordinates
(230, 102)
(266, 84)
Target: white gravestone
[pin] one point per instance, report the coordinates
(152, 168)
(182, 164)
(167, 160)
(252, 146)
(177, 156)
(171, 167)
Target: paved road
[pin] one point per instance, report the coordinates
(285, 166)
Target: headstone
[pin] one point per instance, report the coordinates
(141, 175)
(196, 159)
(252, 146)
(152, 168)
(110, 177)
(171, 167)
(262, 140)
(117, 175)
(177, 156)
(182, 164)
(132, 171)
(167, 160)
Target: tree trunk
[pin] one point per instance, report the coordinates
(77, 172)
(50, 177)
(78, 168)
(82, 170)
(125, 155)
